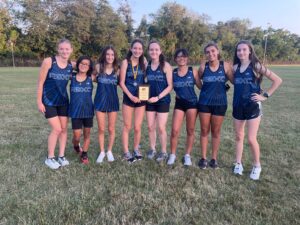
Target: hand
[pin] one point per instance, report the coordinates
(258, 98)
(135, 99)
(153, 99)
(41, 107)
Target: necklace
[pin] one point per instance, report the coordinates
(135, 73)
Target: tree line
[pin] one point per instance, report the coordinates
(30, 29)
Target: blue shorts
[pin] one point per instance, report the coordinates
(53, 111)
(215, 110)
(160, 108)
(127, 101)
(184, 105)
(249, 111)
(77, 123)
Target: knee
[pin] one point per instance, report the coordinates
(216, 133)
(111, 130)
(174, 133)
(204, 132)
(162, 129)
(190, 131)
(87, 134)
(239, 136)
(151, 128)
(76, 137)
(252, 140)
(137, 129)
(101, 130)
(57, 131)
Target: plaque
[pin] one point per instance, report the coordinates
(144, 92)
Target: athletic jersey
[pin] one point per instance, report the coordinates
(245, 84)
(81, 103)
(129, 80)
(106, 98)
(184, 86)
(158, 82)
(213, 91)
(55, 86)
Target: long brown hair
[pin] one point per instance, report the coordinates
(253, 59)
(102, 59)
(141, 58)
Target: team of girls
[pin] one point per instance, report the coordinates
(211, 78)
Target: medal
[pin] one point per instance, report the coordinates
(135, 73)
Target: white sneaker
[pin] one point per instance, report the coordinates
(100, 157)
(238, 169)
(110, 157)
(52, 163)
(63, 161)
(255, 173)
(187, 160)
(171, 159)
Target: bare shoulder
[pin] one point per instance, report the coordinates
(47, 62)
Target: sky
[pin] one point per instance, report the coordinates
(262, 13)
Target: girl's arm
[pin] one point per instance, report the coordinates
(274, 78)
(46, 65)
(228, 71)
(197, 78)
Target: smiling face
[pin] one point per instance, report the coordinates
(64, 50)
(84, 66)
(109, 56)
(137, 49)
(243, 51)
(154, 51)
(212, 53)
(181, 59)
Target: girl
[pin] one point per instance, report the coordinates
(212, 101)
(53, 101)
(159, 75)
(106, 99)
(131, 75)
(81, 105)
(184, 80)
(247, 98)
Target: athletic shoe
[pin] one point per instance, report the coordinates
(137, 154)
(52, 163)
(162, 156)
(171, 159)
(202, 164)
(151, 154)
(238, 169)
(77, 149)
(187, 160)
(100, 157)
(128, 157)
(255, 173)
(63, 161)
(110, 156)
(84, 158)
(213, 164)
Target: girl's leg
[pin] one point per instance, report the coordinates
(162, 119)
(56, 130)
(86, 138)
(112, 118)
(178, 116)
(127, 119)
(239, 126)
(76, 137)
(151, 121)
(216, 124)
(101, 129)
(205, 129)
(138, 121)
(63, 135)
(253, 126)
(191, 116)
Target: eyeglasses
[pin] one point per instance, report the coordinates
(84, 64)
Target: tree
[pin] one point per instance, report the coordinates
(126, 14)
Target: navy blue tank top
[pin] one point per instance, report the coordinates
(129, 80)
(158, 82)
(81, 103)
(55, 86)
(106, 98)
(245, 84)
(184, 86)
(213, 91)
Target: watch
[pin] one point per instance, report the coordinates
(266, 95)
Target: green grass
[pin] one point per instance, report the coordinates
(146, 193)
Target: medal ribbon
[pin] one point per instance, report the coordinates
(135, 73)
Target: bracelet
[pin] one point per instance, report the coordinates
(158, 97)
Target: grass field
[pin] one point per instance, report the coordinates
(145, 192)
